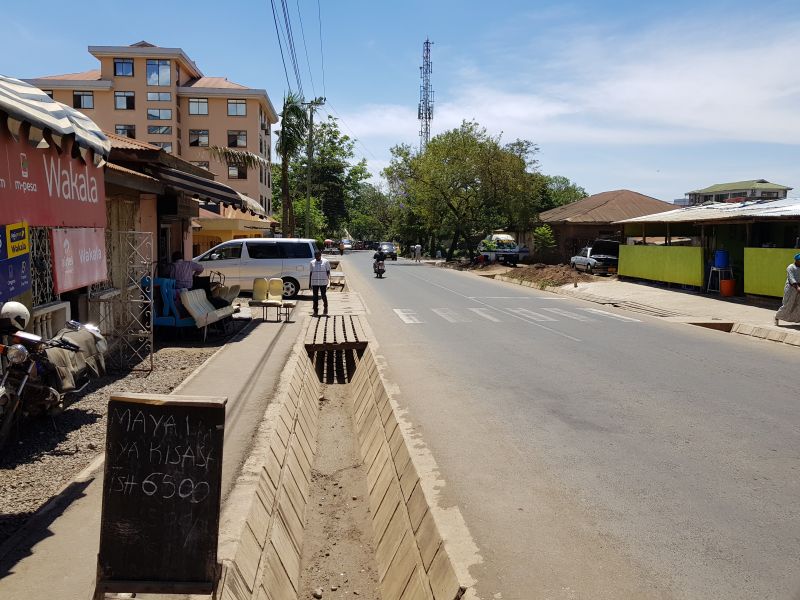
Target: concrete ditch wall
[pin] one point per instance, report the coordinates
(413, 562)
(263, 561)
(260, 555)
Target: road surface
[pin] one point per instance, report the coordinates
(596, 453)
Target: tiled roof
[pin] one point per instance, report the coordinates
(92, 75)
(606, 207)
(214, 82)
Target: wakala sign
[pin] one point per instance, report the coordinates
(48, 188)
(79, 257)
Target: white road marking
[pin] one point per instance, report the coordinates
(529, 314)
(448, 314)
(612, 315)
(484, 312)
(569, 315)
(513, 298)
(407, 315)
(502, 310)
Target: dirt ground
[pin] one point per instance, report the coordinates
(338, 555)
(543, 275)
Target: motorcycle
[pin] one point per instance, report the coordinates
(40, 375)
(379, 268)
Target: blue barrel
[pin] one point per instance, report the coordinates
(721, 259)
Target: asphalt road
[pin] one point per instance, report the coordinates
(596, 454)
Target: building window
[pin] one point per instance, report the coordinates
(198, 137)
(159, 129)
(203, 164)
(125, 130)
(198, 106)
(165, 146)
(159, 96)
(237, 139)
(82, 99)
(159, 114)
(49, 93)
(237, 172)
(123, 67)
(158, 72)
(237, 108)
(124, 100)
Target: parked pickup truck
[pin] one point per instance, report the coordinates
(500, 247)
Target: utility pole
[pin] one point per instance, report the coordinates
(310, 157)
(425, 111)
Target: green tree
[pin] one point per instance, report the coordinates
(317, 223)
(544, 240)
(562, 191)
(291, 138)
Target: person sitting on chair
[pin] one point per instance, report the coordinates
(183, 271)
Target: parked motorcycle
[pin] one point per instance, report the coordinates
(379, 268)
(39, 374)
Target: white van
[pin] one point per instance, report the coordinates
(241, 261)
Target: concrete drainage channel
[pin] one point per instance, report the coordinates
(295, 521)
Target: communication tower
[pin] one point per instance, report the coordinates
(425, 111)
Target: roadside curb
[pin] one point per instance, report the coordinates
(791, 338)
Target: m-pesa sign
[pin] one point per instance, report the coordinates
(46, 188)
(79, 258)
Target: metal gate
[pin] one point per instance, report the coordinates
(124, 309)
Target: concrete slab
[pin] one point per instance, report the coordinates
(247, 557)
(286, 550)
(409, 479)
(374, 471)
(442, 577)
(376, 494)
(275, 579)
(428, 540)
(389, 542)
(258, 521)
(386, 509)
(417, 506)
(417, 588)
(293, 523)
(394, 583)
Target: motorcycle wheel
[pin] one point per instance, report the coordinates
(10, 416)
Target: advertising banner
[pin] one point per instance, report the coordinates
(46, 188)
(79, 258)
(15, 261)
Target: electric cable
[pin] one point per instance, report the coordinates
(305, 48)
(280, 45)
(321, 53)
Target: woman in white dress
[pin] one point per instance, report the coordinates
(790, 309)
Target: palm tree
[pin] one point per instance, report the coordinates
(291, 137)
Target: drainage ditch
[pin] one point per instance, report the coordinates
(336, 505)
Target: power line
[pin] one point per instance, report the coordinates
(350, 131)
(321, 53)
(280, 45)
(305, 48)
(290, 43)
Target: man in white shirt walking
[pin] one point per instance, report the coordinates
(318, 281)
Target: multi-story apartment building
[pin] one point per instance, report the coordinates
(160, 96)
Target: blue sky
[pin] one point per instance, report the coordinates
(659, 97)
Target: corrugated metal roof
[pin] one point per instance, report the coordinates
(605, 207)
(120, 169)
(723, 211)
(753, 184)
(24, 102)
(121, 142)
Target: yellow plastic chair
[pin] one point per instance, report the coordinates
(260, 294)
(275, 296)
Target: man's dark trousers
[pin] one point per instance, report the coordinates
(317, 291)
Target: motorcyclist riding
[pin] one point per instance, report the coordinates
(377, 266)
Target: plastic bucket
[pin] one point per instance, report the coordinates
(727, 287)
(721, 259)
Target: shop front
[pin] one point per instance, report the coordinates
(52, 204)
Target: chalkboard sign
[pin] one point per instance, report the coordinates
(161, 494)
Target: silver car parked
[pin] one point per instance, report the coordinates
(242, 261)
(602, 256)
